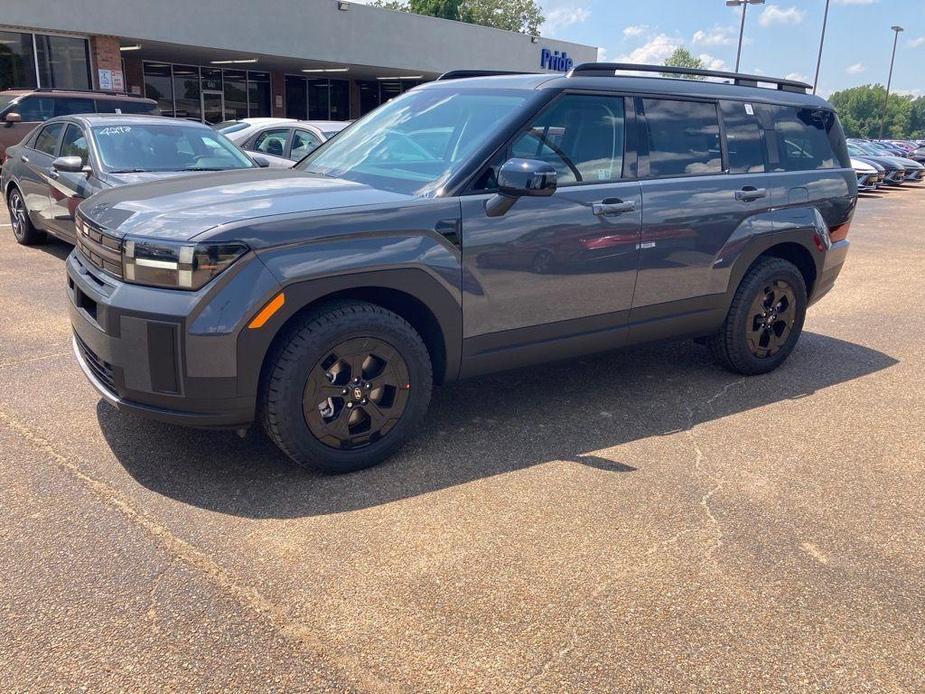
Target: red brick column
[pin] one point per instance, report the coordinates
(277, 82)
(106, 56)
(134, 75)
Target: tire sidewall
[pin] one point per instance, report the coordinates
(22, 233)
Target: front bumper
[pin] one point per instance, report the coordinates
(152, 352)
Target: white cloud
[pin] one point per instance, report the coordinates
(565, 16)
(915, 43)
(717, 36)
(653, 52)
(635, 30)
(773, 14)
(712, 63)
(855, 69)
(910, 92)
(797, 77)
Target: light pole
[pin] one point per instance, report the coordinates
(825, 18)
(889, 80)
(744, 4)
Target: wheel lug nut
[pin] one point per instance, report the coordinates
(349, 405)
(368, 386)
(344, 391)
(363, 401)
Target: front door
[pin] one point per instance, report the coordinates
(213, 107)
(37, 172)
(67, 189)
(558, 270)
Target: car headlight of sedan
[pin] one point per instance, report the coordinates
(176, 265)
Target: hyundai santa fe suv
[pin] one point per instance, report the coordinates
(470, 225)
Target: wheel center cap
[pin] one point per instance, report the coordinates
(357, 393)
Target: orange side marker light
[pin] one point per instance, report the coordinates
(267, 312)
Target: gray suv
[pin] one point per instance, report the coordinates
(472, 225)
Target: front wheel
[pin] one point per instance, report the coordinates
(345, 386)
(23, 229)
(765, 319)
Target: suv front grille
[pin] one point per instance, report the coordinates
(101, 370)
(99, 248)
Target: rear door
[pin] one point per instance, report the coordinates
(37, 171)
(695, 198)
(560, 268)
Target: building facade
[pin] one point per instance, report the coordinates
(213, 60)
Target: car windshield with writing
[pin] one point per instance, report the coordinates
(151, 147)
(417, 141)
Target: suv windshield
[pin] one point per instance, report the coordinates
(174, 147)
(415, 142)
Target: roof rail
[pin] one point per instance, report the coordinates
(609, 70)
(463, 74)
(88, 91)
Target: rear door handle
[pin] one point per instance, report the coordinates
(612, 206)
(749, 193)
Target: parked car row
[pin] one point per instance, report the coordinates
(886, 162)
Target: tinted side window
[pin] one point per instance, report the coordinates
(69, 106)
(806, 139)
(74, 143)
(744, 141)
(48, 138)
(582, 136)
(35, 108)
(303, 143)
(683, 137)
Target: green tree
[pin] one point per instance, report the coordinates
(860, 110)
(917, 119)
(523, 16)
(684, 58)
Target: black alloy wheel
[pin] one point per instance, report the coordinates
(772, 315)
(356, 393)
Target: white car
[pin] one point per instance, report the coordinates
(281, 141)
(868, 176)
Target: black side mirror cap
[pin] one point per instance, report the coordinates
(261, 162)
(521, 178)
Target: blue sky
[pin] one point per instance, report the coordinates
(781, 37)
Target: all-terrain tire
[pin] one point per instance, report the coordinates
(300, 350)
(731, 346)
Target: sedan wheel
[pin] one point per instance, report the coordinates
(23, 230)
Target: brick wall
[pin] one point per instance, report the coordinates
(277, 81)
(106, 56)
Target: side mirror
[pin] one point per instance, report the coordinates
(13, 117)
(68, 164)
(260, 161)
(520, 178)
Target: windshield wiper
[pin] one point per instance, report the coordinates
(118, 171)
(201, 168)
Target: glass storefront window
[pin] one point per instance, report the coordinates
(318, 99)
(186, 92)
(17, 62)
(296, 98)
(369, 96)
(235, 94)
(340, 100)
(259, 94)
(159, 86)
(63, 62)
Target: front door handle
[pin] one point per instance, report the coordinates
(52, 173)
(751, 193)
(612, 206)
(23, 157)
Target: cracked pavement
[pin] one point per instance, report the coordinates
(636, 520)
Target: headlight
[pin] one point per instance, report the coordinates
(176, 265)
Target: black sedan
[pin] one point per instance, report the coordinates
(68, 159)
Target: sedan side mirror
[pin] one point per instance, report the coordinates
(260, 161)
(68, 164)
(521, 178)
(13, 117)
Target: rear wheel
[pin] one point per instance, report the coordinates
(345, 387)
(765, 319)
(23, 229)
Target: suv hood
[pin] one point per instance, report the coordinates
(179, 208)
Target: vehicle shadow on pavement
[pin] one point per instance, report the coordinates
(59, 249)
(484, 427)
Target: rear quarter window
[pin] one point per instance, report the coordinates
(744, 139)
(806, 139)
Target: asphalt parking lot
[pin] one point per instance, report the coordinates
(638, 520)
